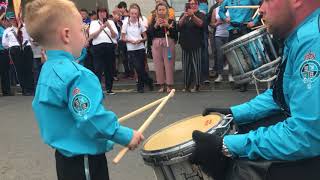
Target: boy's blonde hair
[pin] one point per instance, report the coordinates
(43, 17)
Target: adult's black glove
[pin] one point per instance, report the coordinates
(224, 111)
(208, 154)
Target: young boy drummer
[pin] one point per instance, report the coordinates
(68, 101)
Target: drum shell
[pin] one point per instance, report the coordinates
(249, 52)
(173, 163)
(179, 171)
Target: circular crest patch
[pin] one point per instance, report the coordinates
(80, 104)
(309, 71)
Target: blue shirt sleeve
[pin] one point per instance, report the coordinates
(223, 10)
(86, 105)
(82, 56)
(261, 106)
(297, 137)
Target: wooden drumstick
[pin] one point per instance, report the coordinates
(140, 110)
(257, 27)
(145, 125)
(2, 15)
(256, 13)
(240, 7)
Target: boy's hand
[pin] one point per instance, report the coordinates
(136, 140)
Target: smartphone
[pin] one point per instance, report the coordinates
(187, 6)
(105, 20)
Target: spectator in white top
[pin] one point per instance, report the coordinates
(134, 34)
(17, 40)
(104, 34)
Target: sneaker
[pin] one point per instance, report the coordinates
(140, 91)
(219, 78)
(7, 94)
(195, 89)
(230, 78)
(110, 93)
(206, 82)
(161, 90)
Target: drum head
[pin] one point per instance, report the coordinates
(181, 132)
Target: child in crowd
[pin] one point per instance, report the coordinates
(68, 103)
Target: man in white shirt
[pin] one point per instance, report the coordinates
(17, 41)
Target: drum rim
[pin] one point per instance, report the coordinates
(246, 38)
(186, 146)
(229, 47)
(247, 77)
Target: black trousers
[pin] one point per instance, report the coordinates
(4, 71)
(307, 169)
(103, 61)
(137, 58)
(37, 65)
(74, 168)
(23, 62)
(123, 54)
(88, 61)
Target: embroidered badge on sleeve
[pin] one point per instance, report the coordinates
(309, 70)
(81, 104)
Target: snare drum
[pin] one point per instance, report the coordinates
(169, 149)
(249, 52)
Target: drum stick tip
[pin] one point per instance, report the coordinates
(172, 92)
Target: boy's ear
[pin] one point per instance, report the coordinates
(65, 35)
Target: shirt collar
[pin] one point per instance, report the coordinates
(59, 54)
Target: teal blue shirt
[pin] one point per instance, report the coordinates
(297, 137)
(239, 15)
(1, 34)
(68, 106)
(203, 7)
(82, 56)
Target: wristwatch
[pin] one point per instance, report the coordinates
(225, 150)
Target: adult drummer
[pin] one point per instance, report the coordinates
(292, 105)
(240, 20)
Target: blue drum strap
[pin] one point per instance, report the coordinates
(278, 95)
(86, 167)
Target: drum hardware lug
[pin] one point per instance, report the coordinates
(227, 117)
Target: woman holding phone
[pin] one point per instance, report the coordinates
(191, 39)
(104, 34)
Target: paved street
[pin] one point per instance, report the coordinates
(24, 157)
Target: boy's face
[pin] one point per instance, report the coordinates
(76, 36)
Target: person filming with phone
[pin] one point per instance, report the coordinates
(191, 39)
(104, 34)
